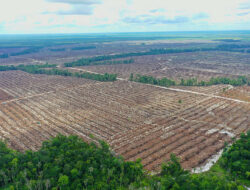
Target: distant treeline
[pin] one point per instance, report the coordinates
(93, 61)
(40, 69)
(23, 52)
(83, 61)
(83, 48)
(233, 47)
(26, 51)
(227, 40)
(4, 55)
(26, 67)
(241, 80)
(222, 47)
(58, 49)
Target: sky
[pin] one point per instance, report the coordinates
(104, 16)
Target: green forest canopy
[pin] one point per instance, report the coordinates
(70, 163)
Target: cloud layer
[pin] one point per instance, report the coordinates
(53, 16)
(85, 2)
(76, 7)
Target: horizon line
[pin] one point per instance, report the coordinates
(79, 33)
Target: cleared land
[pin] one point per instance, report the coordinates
(137, 120)
(201, 65)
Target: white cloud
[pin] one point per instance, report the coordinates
(46, 16)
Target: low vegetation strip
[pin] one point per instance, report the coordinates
(51, 70)
(90, 61)
(92, 76)
(241, 80)
(26, 67)
(70, 163)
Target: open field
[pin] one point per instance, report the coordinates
(137, 120)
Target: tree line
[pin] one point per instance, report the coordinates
(239, 81)
(95, 61)
(23, 52)
(26, 67)
(58, 49)
(49, 69)
(92, 76)
(70, 163)
(151, 80)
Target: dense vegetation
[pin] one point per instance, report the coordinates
(95, 61)
(66, 163)
(7, 68)
(83, 48)
(69, 163)
(152, 80)
(241, 80)
(26, 68)
(236, 159)
(92, 76)
(43, 69)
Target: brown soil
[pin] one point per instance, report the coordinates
(241, 93)
(4, 96)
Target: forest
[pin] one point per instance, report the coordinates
(241, 80)
(70, 163)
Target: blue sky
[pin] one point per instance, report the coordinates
(91, 16)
